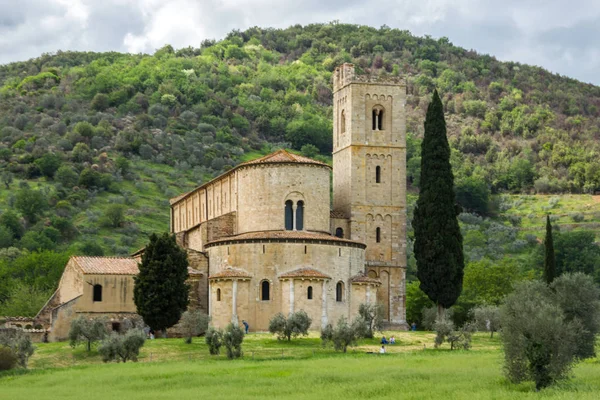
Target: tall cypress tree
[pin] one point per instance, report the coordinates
(161, 292)
(438, 241)
(549, 259)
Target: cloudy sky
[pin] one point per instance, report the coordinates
(559, 35)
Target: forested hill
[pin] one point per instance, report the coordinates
(92, 145)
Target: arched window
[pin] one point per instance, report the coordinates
(264, 290)
(309, 294)
(343, 121)
(218, 294)
(377, 118)
(289, 215)
(339, 291)
(339, 232)
(378, 174)
(97, 292)
(378, 235)
(300, 215)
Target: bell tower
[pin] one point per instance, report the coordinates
(369, 177)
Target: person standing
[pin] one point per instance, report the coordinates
(246, 326)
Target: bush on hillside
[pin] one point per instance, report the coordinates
(19, 343)
(122, 347)
(214, 340)
(87, 330)
(233, 336)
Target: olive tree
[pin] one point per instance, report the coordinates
(87, 330)
(539, 342)
(193, 323)
(232, 339)
(295, 324)
(214, 340)
(122, 347)
(372, 314)
(487, 318)
(19, 343)
(344, 334)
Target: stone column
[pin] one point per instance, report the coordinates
(294, 216)
(234, 317)
(324, 305)
(291, 296)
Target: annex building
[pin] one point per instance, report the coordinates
(267, 236)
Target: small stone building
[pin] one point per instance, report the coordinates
(95, 287)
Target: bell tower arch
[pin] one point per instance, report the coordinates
(369, 177)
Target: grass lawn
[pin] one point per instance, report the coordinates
(299, 369)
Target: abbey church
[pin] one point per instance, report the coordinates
(266, 237)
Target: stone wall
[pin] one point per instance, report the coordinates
(264, 189)
(267, 261)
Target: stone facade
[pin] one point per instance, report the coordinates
(369, 177)
(262, 238)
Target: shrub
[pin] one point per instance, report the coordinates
(88, 331)
(443, 329)
(193, 323)
(8, 359)
(122, 347)
(114, 216)
(372, 315)
(487, 318)
(539, 343)
(577, 217)
(429, 316)
(19, 343)
(232, 339)
(214, 340)
(294, 325)
(579, 298)
(343, 335)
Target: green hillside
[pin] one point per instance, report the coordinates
(92, 145)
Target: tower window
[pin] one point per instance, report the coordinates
(339, 232)
(378, 174)
(300, 215)
(310, 293)
(339, 291)
(218, 294)
(97, 292)
(377, 118)
(378, 235)
(343, 121)
(289, 215)
(265, 289)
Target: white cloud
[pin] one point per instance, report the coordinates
(550, 34)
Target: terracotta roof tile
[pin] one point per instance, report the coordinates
(230, 272)
(365, 279)
(107, 265)
(336, 214)
(285, 235)
(283, 157)
(305, 273)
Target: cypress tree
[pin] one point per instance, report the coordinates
(549, 259)
(161, 292)
(438, 241)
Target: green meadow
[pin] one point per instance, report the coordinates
(170, 369)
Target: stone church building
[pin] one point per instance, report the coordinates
(267, 237)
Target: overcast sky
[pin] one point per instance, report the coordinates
(559, 35)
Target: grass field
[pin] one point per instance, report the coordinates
(170, 369)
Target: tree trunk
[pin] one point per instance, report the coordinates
(89, 346)
(164, 333)
(492, 335)
(440, 312)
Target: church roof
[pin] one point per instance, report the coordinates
(306, 272)
(364, 279)
(113, 265)
(230, 272)
(278, 157)
(283, 236)
(106, 265)
(283, 157)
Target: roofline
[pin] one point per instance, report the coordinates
(182, 197)
(334, 240)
